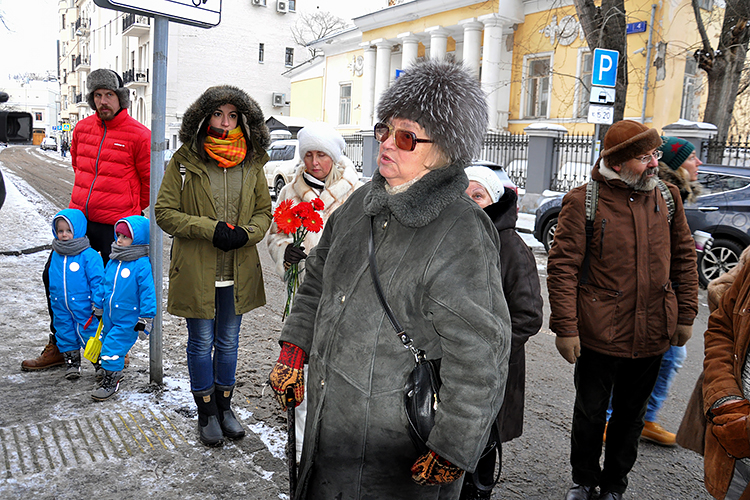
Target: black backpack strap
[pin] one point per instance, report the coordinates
(592, 200)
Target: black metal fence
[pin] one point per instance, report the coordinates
(354, 150)
(572, 162)
(509, 150)
(726, 151)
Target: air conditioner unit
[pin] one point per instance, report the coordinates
(278, 99)
(282, 6)
(259, 2)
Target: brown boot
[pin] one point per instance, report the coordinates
(50, 357)
(655, 433)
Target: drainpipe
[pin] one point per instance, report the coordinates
(648, 62)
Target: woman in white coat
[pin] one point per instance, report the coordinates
(324, 172)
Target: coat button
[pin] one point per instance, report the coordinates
(343, 298)
(322, 383)
(631, 199)
(385, 224)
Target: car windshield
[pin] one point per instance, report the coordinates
(281, 153)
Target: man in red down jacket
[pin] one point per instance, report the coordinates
(111, 155)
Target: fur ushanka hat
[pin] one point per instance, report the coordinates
(110, 80)
(252, 115)
(445, 100)
(627, 139)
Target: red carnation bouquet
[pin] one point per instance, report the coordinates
(297, 220)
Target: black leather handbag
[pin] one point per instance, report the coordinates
(422, 387)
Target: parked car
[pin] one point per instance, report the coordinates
(723, 210)
(49, 143)
(284, 158)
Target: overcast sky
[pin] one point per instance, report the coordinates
(29, 44)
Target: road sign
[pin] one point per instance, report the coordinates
(201, 13)
(66, 127)
(601, 114)
(602, 95)
(605, 68)
(639, 27)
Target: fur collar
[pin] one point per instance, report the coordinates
(422, 202)
(689, 191)
(335, 192)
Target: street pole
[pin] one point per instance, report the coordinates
(158, 126)
(648, 62)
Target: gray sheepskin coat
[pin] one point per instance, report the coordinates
(438, 261)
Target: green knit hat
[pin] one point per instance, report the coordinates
(676, 151)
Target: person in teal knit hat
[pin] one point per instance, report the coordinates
(679, 166)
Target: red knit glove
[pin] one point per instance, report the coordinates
(430, 468)
(288, 373)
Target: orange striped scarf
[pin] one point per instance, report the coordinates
(228, 151)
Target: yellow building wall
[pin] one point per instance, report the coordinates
(674, 25)
(307, 96)
(340, 70)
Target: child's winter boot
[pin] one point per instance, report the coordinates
(109, 386)
(208, 418)
(230, 426)
(98, 371)
(72, 364)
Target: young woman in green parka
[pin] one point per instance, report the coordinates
(214, 201)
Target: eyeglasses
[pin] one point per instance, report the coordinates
(645, 159)
(404, 139)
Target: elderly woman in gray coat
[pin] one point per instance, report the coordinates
(437, 256)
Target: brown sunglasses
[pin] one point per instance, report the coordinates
(404, 139)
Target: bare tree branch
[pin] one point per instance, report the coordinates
(314, 26)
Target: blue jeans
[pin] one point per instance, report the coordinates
(219, 336)
(670, 363)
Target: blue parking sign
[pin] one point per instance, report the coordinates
(605, 68)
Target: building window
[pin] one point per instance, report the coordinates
(261, 52)
(538, 87)
(289, 58)
(584, 84)
(292, 5)
(345, 104)
(692, 88)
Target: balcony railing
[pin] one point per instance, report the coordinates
(135, 24)
(81, 62)
(81, 26)
(135, 77)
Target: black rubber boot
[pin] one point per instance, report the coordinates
(208, 418)
(230, 426)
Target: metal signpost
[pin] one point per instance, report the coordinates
(200, 13)
(602, 98)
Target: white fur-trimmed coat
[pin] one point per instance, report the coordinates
(298, 190)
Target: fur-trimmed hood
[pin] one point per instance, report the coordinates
(689, 190)
(423, 201)
(211, 99)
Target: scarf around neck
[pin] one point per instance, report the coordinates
(313, 182)
(229, 149)
(71, 247)
(129, 253)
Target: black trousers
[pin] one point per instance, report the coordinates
(101, 237)
(630, 382)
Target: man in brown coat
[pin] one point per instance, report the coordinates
(618, 299)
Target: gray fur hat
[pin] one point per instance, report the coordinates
(214, 97)
(110, 80)
(445, 100)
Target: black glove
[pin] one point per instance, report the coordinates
(293, 254)
(144, 327)
(97, 312)
(227, 237)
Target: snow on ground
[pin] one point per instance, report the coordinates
(22, 226)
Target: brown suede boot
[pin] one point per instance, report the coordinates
(49, 358)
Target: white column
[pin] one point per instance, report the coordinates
(493, 34)
(368, 87)
(382, 70)
(472, 44)
(504, 78)
(458, 53)
(438, 41)
(409, 49)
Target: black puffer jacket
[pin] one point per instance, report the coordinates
(523, 294)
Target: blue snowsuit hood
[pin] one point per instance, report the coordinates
(75, 219)
(139, 228)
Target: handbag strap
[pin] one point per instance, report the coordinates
(402, 335)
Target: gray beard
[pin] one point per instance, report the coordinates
(640, 182)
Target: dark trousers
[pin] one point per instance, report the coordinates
(630, 382)
(101, 237)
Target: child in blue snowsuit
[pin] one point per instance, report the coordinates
(129, 303)
(76, 274)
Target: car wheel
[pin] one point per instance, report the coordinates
(278, 186)
(548, 233)
(723, 256)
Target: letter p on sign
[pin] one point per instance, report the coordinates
(604, 72)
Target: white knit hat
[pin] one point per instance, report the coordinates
(487, 178)
(321, 136)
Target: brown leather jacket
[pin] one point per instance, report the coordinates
(642, 280)
(726, 344)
